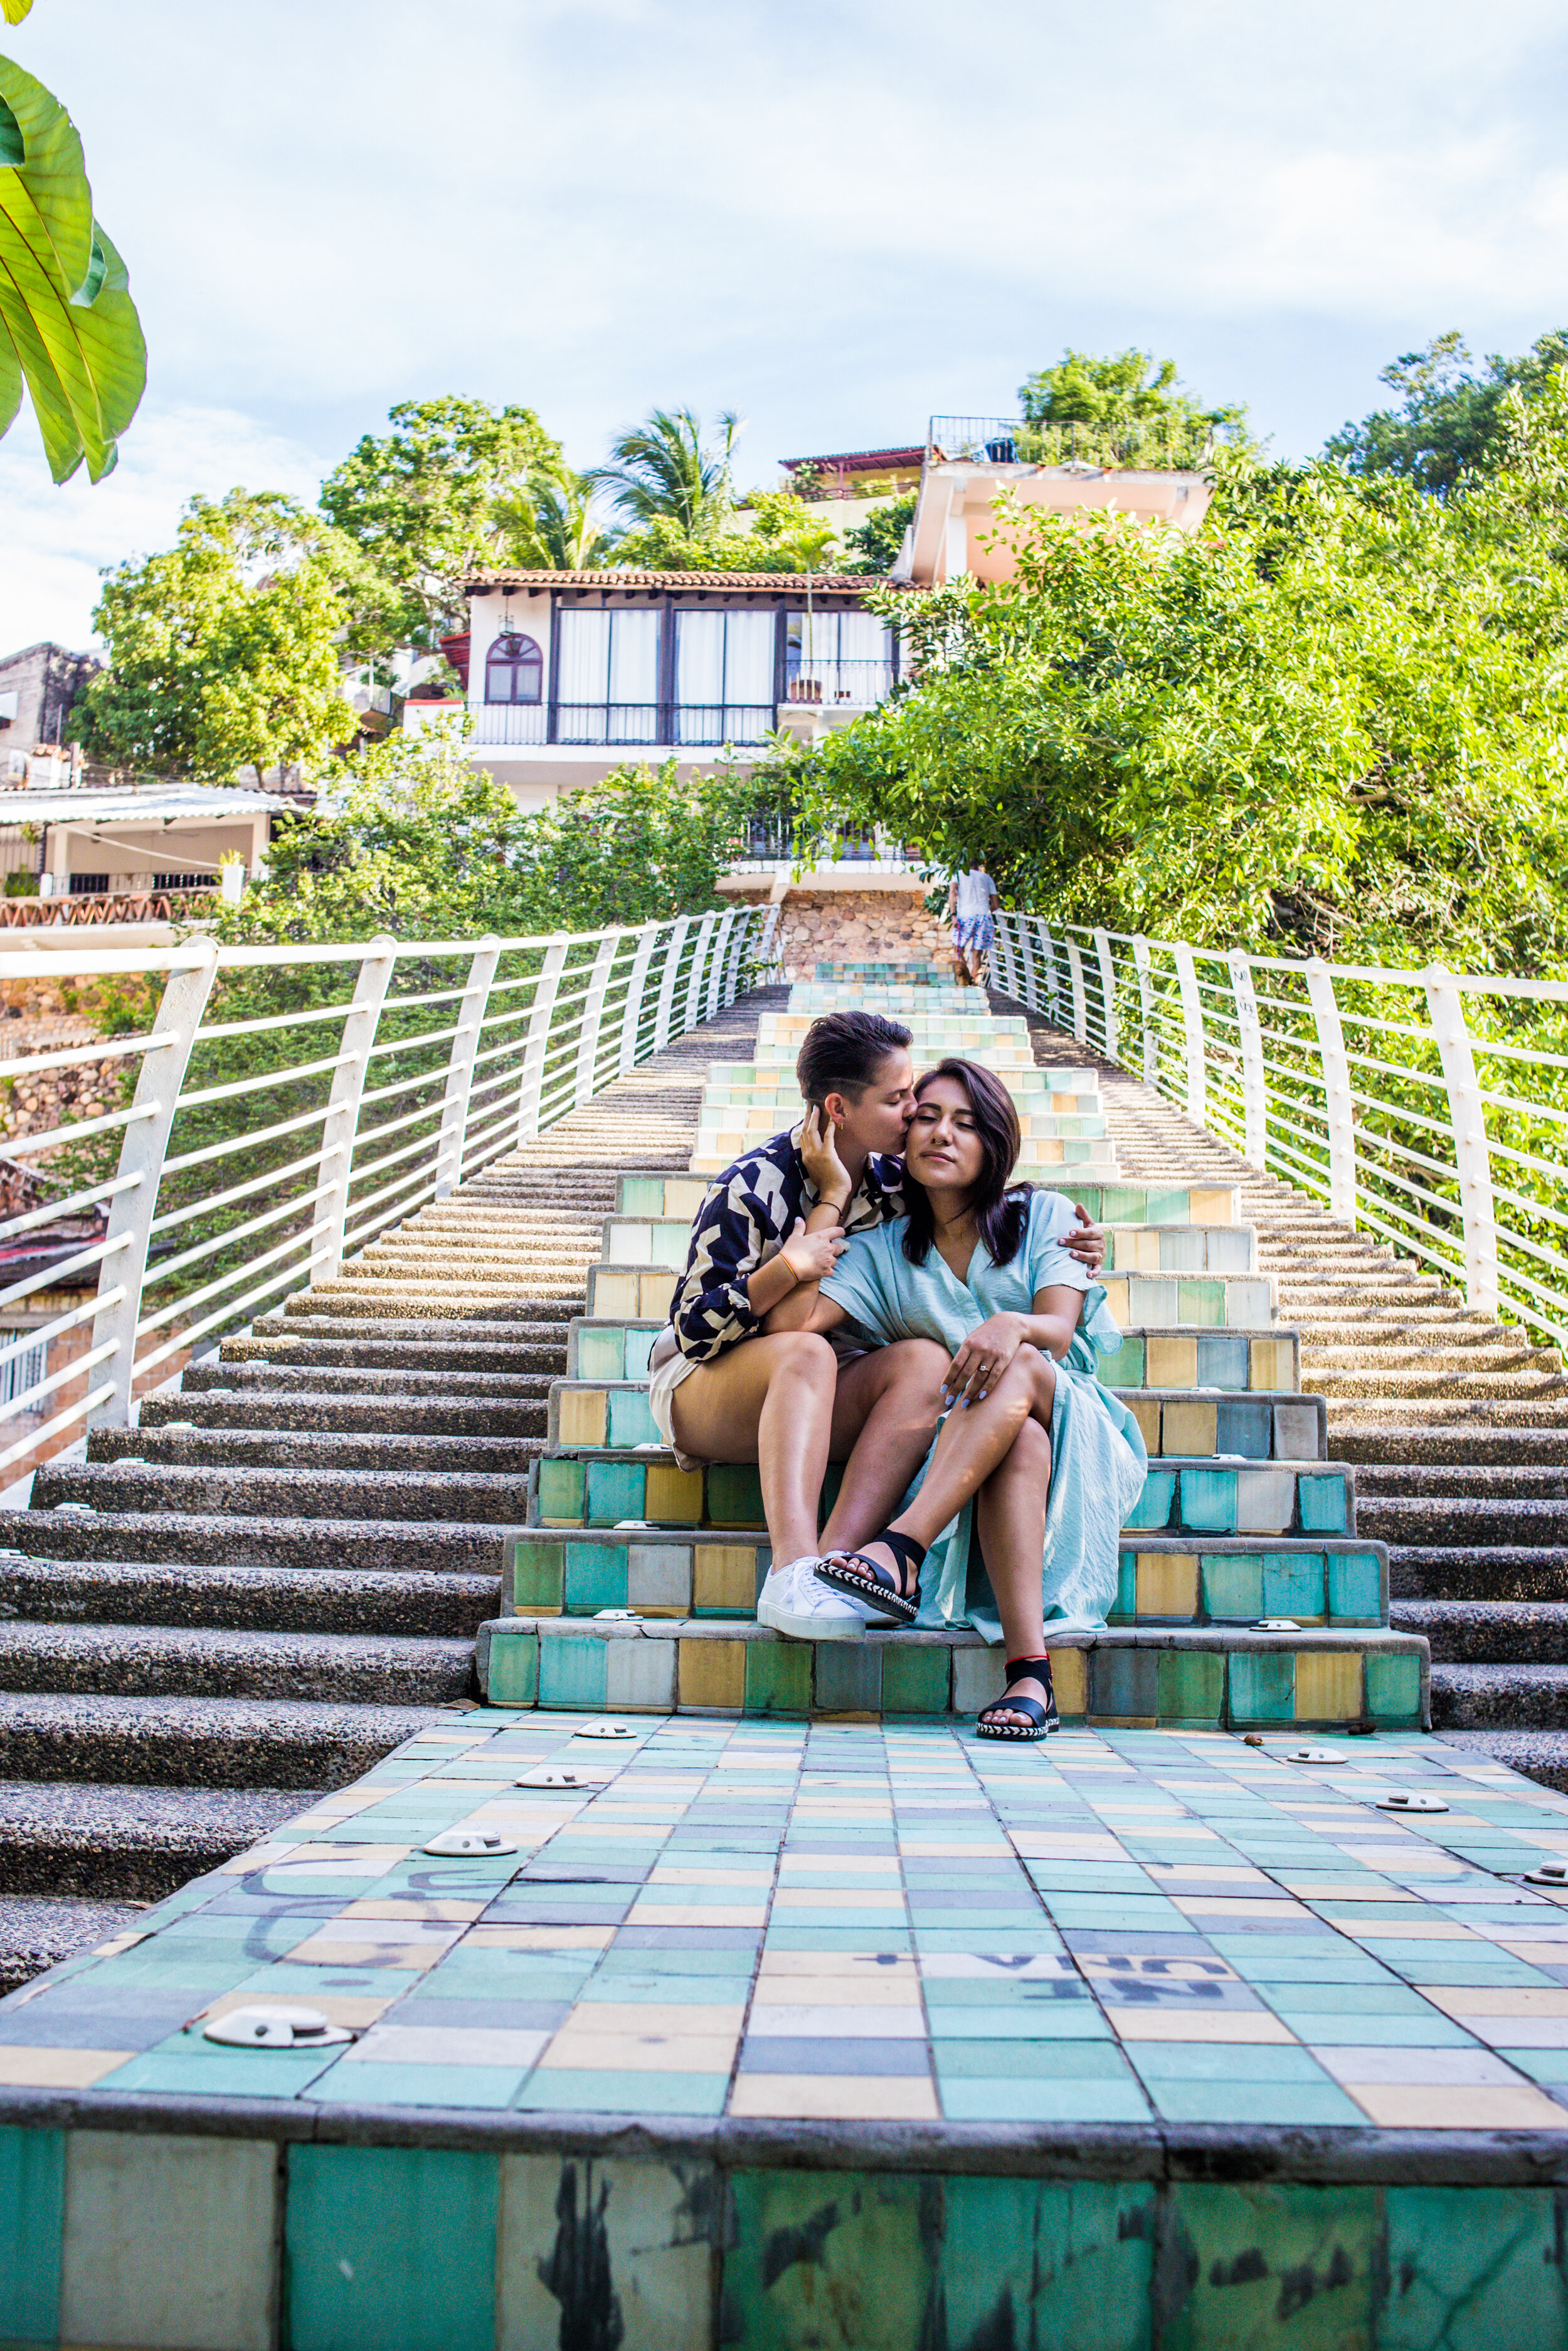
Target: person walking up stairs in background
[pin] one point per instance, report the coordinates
(970, 898)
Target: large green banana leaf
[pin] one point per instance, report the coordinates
(69, 328)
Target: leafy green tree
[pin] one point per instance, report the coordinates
(1337, 720)
(425, 504)
(875, 543)
(551, 523)
(1124, 404)
(666, 472)
(225, 652)
(69, 328)
(1451, 421)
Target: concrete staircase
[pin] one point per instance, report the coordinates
(278, 1576)
(1457, 1427)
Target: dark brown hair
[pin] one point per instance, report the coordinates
(844, 1050)
(1001, 1208)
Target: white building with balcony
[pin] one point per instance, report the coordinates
(570, 674)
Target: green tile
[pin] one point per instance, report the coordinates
(615, 1491)
(1262, 1686)
(1295, 1584)
(1152, 1510)
(1125, 1608)
(1321, 1503)
(1270, 2269)
(1165, 1208)
(1124, 1681)
(394, 2246)
(561, 1485)
(1190, 1687)
(595, 1577)
(1062, 2262)
(642, 1195)
(600, 1353)
(1123, 1366)
(734, 1495)
(915, 1680)
(777, 1678)
(1472, 2269)
(1355, 1594)
(639, 1347)
(513, 1675)
(631, 1421)
(1209, 1501)
(1393, 1688)
(1232, 1586)
(32, 2199)
(848, 1677)
(572, 1671)
(1201, 1301)
(538, 1573)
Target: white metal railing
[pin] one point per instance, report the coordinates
(270, 1133)
(1429, 1107)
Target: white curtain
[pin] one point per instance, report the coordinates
(699, 660)
(862, 637)
(749, 658)
(584, 656)
(634, 656)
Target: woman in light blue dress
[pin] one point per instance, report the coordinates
(1015, 1519)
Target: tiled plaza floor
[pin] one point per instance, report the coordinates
(847, 1919)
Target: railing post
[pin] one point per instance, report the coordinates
(1144, 969)
(1196, 1043)
(1336, 1089)
(460, 1068)
(1472, 1157)
(332, 1216)
(745, 926)
(1006, 953)
(1108, 994)
(667, 983)
(637, 988)
(716, 977)
(536, 1043)
(1047, 954)
(593, 1020)
(1080, 1007)
(141, 1155)
(1254, 1084)
(694, 984)
(1030, 969)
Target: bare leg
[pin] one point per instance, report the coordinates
(1009, 1516)
(886, 1409)
(769, 1400)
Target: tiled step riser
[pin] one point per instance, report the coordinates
(655, 1194)
(1216, 1251)
(1062, 1164)
(686, 1571)
(1192, 1682)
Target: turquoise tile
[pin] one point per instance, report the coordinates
(1472, 2269)
(1006, 2100)
(1152, 1510)
(631, 1421)
(514, 1670)
(572, 1672)
(187, 2066)
(595, 1577)
(1393, 1688)
(1208, 1501)
(1295, 1584)
(613, 1491)
(1281, 2104)
(391, 2246)
(1321, 1504)
(32, 2203)
(1125, 1610)
(1355, 1588)
(600, 1355)
(1226, 2061)
(371, 2083)
(1262, 1686)
(1232, 1585)
(639, 1347)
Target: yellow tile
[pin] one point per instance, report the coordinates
(1503, 2106)
(1167, 1583)
(1272, 1363)
(712, 1673)
(583, 1413)
(682, 1197)
(1328, 1686)
(1190, 1429)
(1146, 1411)
(1498, 2000)
(835, 2097)
(614, 1296)
(640, 2018)
(370, 1905)
(1212, 2025)
(642, 2052)
(724, 1575)
(672, 1497)
(1171, 1363)
(1116, 1299)
(697, 1914)
(654, 1291)
(58, 2069)
(1070, 1680)
(1209, 1207)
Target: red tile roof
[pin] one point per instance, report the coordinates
(862, 461)
(786, 582)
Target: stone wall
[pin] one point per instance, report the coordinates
(856, 926)
(32, 1105)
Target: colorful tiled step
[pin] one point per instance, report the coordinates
(1259, 1428)
(1237, 1679)
(1225, 1250)
(1160, 1301)
(657, 1194)
(1058, 1160)
(687, 1571)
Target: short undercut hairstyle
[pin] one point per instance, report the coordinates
(843, 1052)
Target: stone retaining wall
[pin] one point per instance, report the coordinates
(856, 927)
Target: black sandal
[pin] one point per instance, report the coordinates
(1044, 1719)
(879, 1587)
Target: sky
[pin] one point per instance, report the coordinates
(837, 219)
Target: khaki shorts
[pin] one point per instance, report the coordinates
(667, 1367)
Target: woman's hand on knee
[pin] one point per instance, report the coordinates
(983, 1356)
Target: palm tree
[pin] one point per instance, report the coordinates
(551, 524)
(666, 472)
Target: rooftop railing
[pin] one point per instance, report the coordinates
(284, 1105)
(1428, 1107)
(1157, 444)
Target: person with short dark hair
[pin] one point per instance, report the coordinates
(1021, 1502)
(722, 1387)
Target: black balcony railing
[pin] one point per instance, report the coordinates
(1158, 443)
(854, 685)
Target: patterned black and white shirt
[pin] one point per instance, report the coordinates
(748, 1214)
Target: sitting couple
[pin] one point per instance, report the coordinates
(840, 1304)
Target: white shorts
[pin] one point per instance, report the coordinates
(663, 1379)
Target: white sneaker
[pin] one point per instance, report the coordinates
(793, 1602)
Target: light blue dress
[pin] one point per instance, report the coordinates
(1098, 1458)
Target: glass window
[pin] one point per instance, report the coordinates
(514, 670)
(723, 676)
(609, 686)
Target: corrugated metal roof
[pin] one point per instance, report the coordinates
(86, 805)
(863, 461)
(842, 583)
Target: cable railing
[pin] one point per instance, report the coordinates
(282, 1106)
(1428, 1107)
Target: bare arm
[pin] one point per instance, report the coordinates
(985, 1354)
(805, 1309)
